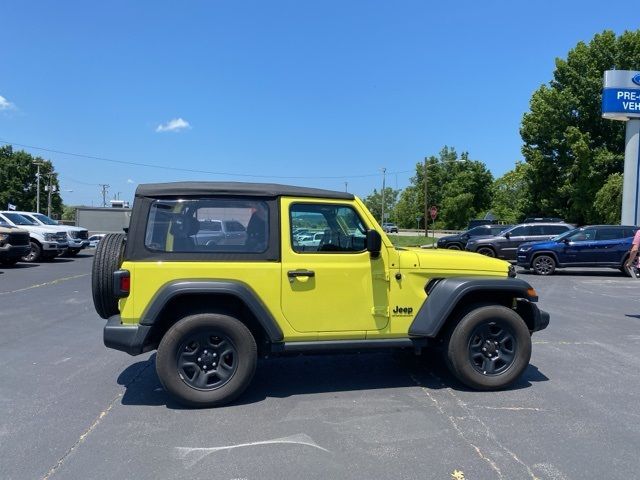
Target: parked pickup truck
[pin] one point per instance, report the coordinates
(14, 244)
(77, 237)
(45, 242)
(211, 310)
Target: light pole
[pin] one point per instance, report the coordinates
(38, 187)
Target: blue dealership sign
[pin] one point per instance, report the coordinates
(621, 95)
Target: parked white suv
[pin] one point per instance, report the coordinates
(77, 237)
(46, 242)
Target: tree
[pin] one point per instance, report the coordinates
(18, 181)
(570, 149)
(608, 201)
(458, 186)
(374, 203)
(509, 194)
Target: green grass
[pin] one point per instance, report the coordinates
(412, 241)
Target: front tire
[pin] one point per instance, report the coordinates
(9, 262)
(544, 265)
(34, 254)
(489, 349)
(454, 246)
(206, 360)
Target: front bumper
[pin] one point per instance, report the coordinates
(523, 260)
(77, 243)
(54, 246)
(132, 339)
(10, 252)
(535, 318)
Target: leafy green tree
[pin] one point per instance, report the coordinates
(68, 213)
(570, 149)
(509, 199)
(608, 201)
(374, 203)
(458, 186)
(18, 181)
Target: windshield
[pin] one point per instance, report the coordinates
(44, 219)
(19, 219)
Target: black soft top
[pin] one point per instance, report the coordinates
(177, 189)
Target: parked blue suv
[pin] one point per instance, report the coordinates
(591, 246)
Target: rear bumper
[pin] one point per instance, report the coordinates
(131, 339)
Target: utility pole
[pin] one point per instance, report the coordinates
(49, 191)
(104, 188)
(38, 187)
(384, 173)
(426, 204)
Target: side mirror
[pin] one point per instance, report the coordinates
(507, 235)
(565, 240)
(374, 243)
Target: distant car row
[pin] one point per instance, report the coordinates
(546, 246)
(31, 237)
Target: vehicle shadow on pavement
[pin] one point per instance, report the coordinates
(578, 273)
(282, 377)
(19, 266)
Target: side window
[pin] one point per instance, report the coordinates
(582, 235)
(536, 230)
(629, 232)
(326, 228)
(214, 225)
(554, 229)
(520, 231)
(609, 233)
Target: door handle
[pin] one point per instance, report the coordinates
(301, 273)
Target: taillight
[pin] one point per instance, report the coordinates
(121, 283)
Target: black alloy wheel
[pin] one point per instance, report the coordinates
(489, 348)
(544, 265)
(206, 360)
(492, 348)
(486, 251)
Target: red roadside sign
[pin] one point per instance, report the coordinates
(433, 211)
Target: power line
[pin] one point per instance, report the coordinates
(190, 170)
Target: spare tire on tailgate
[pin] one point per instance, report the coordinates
(107, 260)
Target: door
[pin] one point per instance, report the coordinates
(580, 247)
(610, 245)
(510, 245)
(334, 286)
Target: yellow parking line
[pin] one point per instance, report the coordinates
(45, 284)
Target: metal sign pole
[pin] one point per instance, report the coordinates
(630, 186)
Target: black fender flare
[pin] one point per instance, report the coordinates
(226, 287)
(446, 294)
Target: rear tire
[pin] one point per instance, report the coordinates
(454, 246)
(506, 342)
(486, 251)
(206, 360)
(107, 260)
(34, 254)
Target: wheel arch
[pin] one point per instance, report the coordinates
(550, 253)
(187, 297)
(449, 299)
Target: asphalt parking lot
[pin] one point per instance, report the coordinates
(71, 409)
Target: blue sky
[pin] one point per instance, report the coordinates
(281, 88)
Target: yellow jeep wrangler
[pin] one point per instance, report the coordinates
(213, 275)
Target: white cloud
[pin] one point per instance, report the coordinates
(174, 125)
(5, 104)
(130, 181)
